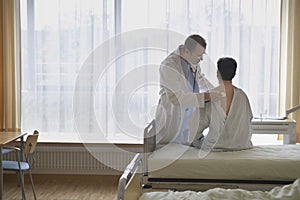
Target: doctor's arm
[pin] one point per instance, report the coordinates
(173, 82)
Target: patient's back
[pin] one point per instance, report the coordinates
(227, 100)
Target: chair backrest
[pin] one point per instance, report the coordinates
(31, 143)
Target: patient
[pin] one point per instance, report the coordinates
(229, 119)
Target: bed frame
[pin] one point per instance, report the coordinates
(130, 183)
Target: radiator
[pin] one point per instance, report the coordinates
(77, 160)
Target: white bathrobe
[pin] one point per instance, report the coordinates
(226, 132)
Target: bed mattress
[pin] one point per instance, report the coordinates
(270, 162)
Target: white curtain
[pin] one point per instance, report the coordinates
(57, 36)
(92, 66)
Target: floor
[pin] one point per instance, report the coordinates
(63, 187)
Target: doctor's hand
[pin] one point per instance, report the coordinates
(213, 95)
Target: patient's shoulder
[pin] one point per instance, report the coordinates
(240, 92)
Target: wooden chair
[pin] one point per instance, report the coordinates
(23, 166)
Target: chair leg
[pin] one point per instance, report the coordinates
(32, 185)
(19, 180)
(21, 177)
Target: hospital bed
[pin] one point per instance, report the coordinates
(180, 168)
(131, 188)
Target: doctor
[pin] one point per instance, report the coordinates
(180, 80)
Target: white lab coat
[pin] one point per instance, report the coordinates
(177, 101)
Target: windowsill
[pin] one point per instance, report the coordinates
(75, 138)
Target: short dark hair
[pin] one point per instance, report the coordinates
(192, 40)
(227, 68)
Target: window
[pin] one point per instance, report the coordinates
(60, 39)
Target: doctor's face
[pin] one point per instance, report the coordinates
(196, 55)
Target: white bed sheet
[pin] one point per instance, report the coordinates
(270, 162)
(287, 192)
